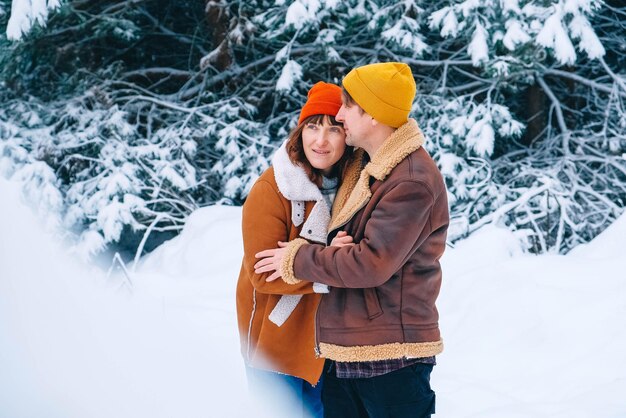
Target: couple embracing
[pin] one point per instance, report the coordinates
(342, 240)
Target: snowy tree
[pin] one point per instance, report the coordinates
(144, 111)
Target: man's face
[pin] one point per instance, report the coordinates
(356, 123)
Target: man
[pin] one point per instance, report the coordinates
(378, 326)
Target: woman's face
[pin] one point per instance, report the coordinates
(323, 144)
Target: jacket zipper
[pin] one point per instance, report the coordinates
(318, 354)
(353, 213)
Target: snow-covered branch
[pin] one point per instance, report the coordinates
(143, 110)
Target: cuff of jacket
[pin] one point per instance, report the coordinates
(286, 269)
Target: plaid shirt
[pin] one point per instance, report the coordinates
(366, 369)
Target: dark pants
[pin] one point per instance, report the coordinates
(284, 396)
(402, 393)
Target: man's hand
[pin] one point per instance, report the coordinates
(342, 239)
(271, 260)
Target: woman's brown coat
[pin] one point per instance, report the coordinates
(267, 219)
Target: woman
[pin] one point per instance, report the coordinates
(291, 199)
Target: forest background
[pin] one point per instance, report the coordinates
(120, 118)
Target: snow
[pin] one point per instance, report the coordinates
(501, 68)
(111, 219)
(477, 49)
(436, 18)
(403, 37)
(20, 20)
(574, 6)
(331, 4)
(70, 346)
(589, 42)
(468, 6)
(90, 243)
(450, 25)
(553, 35)
(515, 35)
(296, 15)
(302, 11)
(481, 137)
(476, 125)
(291, 73)
(447, 19)
(326, 36)
(26, 12)
(525, 336)
(449, 164)
(544, 328)
(40, 187)
(511, 6)
(283, 53)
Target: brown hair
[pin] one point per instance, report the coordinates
(349, 101)
(295, 150)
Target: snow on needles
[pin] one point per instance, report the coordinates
(553, 36)
(478, 49)
(24, 13)
(292, 72)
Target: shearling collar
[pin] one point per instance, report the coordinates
(354, 191)
(295, 186)
(406, 139)
(292, 180)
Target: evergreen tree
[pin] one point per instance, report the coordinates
(125, 116)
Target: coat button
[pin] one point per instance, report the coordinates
(310, 232)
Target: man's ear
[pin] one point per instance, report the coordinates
(374, 122)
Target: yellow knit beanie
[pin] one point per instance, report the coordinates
(384, 90)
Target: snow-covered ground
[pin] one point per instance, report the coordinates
(526, 336)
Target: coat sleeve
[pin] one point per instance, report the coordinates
(397, 227)
(264, 223)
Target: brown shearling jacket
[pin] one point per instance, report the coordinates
(276, 332)
(383, 289)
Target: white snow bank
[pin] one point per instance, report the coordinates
(72, 347)
(207, 246)
(531, 336)
(605, 246)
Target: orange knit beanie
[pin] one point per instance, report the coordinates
(323, 99)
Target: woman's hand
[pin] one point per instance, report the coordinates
(270, 261)
(342, 239)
